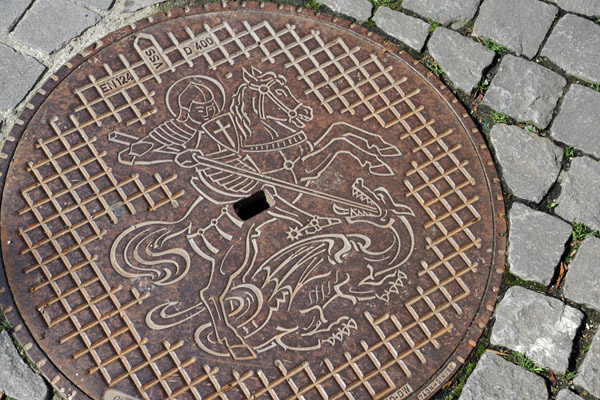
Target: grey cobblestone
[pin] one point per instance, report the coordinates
(578, 121)
(17, 380)
(462, 58)
(525, 91)
(18, 73)
(566, 394)
(409, 30)
(573, 46)
(539, 326)
(588, 375)
(101, 4)
(580, 198)
(520, 25)
(590, 8)
(536, 243)
(530, 163)
(447, 12)
(11, 11)
(582, 282)
(133, 5)
(494, 378)
(49, 24)
(358, 9)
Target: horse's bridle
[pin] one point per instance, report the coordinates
(264, 91)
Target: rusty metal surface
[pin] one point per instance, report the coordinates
(128, 273)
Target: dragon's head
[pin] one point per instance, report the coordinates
(378, 205)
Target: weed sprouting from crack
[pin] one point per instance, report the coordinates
(492, 45)
(434, 67)
(569, 151)
(432, 25)
(569, 375)
(393, 4)
(579, 234)
(499, 118)
(313, 4)
(530, 128)
(482, 86)
(524, 362)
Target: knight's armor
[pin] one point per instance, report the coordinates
(170, 137)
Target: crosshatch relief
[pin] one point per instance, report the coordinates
(358, 276)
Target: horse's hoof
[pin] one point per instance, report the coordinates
(241, 352)
(380, 169)
(206, 340)
(390, 151)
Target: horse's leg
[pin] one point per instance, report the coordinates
(373, 143)
(368, 149)
(322, 157)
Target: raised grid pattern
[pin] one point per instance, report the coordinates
(362, 374)
(369, 89)
(438, 185)
(121, 95)
(333, 72)
(336, 73)
(73, 190)
(121, 92)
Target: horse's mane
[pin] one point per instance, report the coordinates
(237, 108)
(240, 118)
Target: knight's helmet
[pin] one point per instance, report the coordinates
(195, 92)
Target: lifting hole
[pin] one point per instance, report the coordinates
(253, 205)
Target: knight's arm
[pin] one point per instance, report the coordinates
(189, 158)
(144, 151)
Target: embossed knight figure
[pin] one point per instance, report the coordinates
(300, 267)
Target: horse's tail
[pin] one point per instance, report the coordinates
(155, 250)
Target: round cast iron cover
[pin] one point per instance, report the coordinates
(243, 201)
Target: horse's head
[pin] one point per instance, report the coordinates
(273, 99)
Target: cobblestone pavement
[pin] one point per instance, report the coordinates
(529, 72)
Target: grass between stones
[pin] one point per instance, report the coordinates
(486, 118)
(433, 66)
(393, 4)
(580, 233)
(4, 324)
(458, 381)
(569, 151)
(432, 24)
(492, 45)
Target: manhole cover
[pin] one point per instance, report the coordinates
(248, 201)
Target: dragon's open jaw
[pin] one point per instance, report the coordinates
(365, 196)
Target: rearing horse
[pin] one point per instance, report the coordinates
(260, 142)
